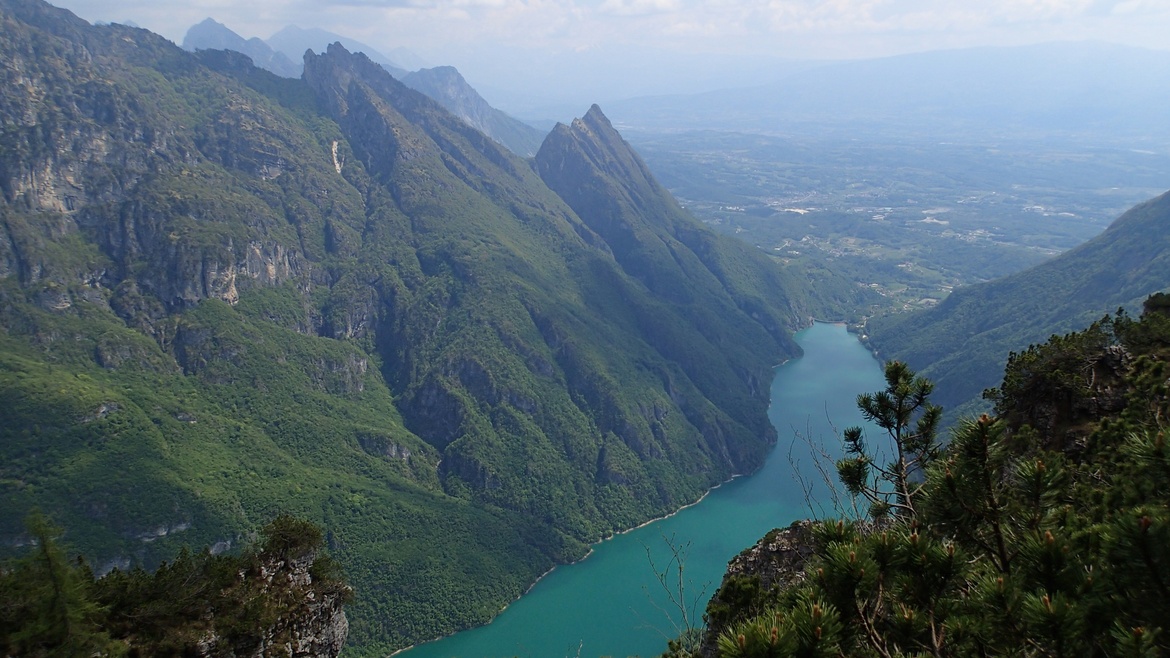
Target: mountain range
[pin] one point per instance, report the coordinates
(293, 41)
(282, 52)
(442, 83)
(211, 35)
(226, 295)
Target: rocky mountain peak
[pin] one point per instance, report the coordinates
(331, 73)
(210, 33)
(449, 73)
(293, 41)
(338, 67)
(597, 119)
(591, 144)
(213, 35)
(596, 126)
(447, 86)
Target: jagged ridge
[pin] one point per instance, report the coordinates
(212, 35)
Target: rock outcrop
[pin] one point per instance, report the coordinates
(776, 562)
(312, 623)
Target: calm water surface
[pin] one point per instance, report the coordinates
(610, 604)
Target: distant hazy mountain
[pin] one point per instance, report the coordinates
(963, 343)
(1050, 87)
(447, 86)
(212, 35)
(293, 41)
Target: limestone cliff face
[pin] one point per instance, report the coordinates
(83, 157)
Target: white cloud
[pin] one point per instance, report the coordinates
(716, 25)
(638, 7)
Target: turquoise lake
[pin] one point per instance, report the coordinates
(610, 604)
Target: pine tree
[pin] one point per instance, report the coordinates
(903, 410)
(48, 608)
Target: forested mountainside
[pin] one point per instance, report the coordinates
(226, 295)
(1039, 531)
(963, 342)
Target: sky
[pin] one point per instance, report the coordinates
(515, 49)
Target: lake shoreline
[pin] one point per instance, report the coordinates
(579, 560)
(812, 323)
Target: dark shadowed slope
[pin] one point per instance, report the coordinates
(605, 181)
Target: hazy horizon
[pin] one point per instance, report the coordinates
(555, 52)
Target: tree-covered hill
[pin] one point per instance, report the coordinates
(963, 342)
(226, 295)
